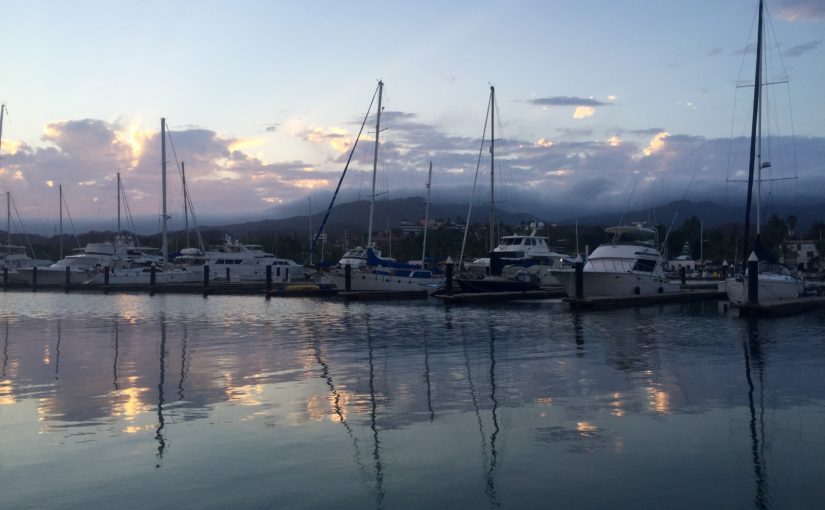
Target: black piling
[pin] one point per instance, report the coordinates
(579, 269)
(449, 270)
(286, 274)
(753, 279)
(683, 275)
(152, 276)
(227, 274)
(106, 275)
(34, 275)
(268, 277)
(205, 276)
(348, 277)
(5, 275)
(68, 280)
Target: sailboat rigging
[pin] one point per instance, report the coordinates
(369, 270)
(775, 281)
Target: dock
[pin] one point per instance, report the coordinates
(493, 297)
(610, 303)
(382, 295)
(276, 289)
(781, 309)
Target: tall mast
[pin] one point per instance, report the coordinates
(8, 193)
(60, 194)
(2, 111)
(757, 89)
(426, 218)
(185, 202)
(118, 203)
(759, 159)
(164, 247)
(8, 220)
(375, 161)
(492, 167)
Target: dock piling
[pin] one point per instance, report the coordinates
(449, 269)
(152, 276)
(205, 276)
(579, 268)
(34, 275)
(348, 277)
(68, 276)
(227, 275)
(753, 279)
(683, 275)
(5, 275)
(268, 277)
(106, 275)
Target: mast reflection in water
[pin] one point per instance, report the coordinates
(305, 404)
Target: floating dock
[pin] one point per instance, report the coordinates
(781, 309)
(382, 295)
(609, 303)
(214, 288)
(493, 297)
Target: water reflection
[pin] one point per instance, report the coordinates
(57, 350)
(427, 379)
(491, 472)
(5, 348)
(117, 353)
(376, 452)
(338, 404)
(620, 398)
(159, 434)
(753, 360)
(184, 342)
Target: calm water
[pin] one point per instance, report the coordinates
(230, 402)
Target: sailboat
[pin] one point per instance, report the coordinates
(776, 282)
(369, 270)
(519, 250)
(142, 273)
(13, 257)
(84, 264)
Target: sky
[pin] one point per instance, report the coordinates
(600, 104)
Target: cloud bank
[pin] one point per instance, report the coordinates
(569, 173)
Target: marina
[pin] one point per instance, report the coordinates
(597, 292)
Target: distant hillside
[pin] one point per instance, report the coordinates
(711, 214)
(354, 217)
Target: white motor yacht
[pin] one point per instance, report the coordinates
(246, 262)
(14, 257)
(142, 275)
(83, 265)
(629, 265)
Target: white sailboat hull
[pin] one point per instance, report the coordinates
(772, 289)
(362, 281)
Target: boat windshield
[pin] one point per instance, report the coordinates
(766, 267)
